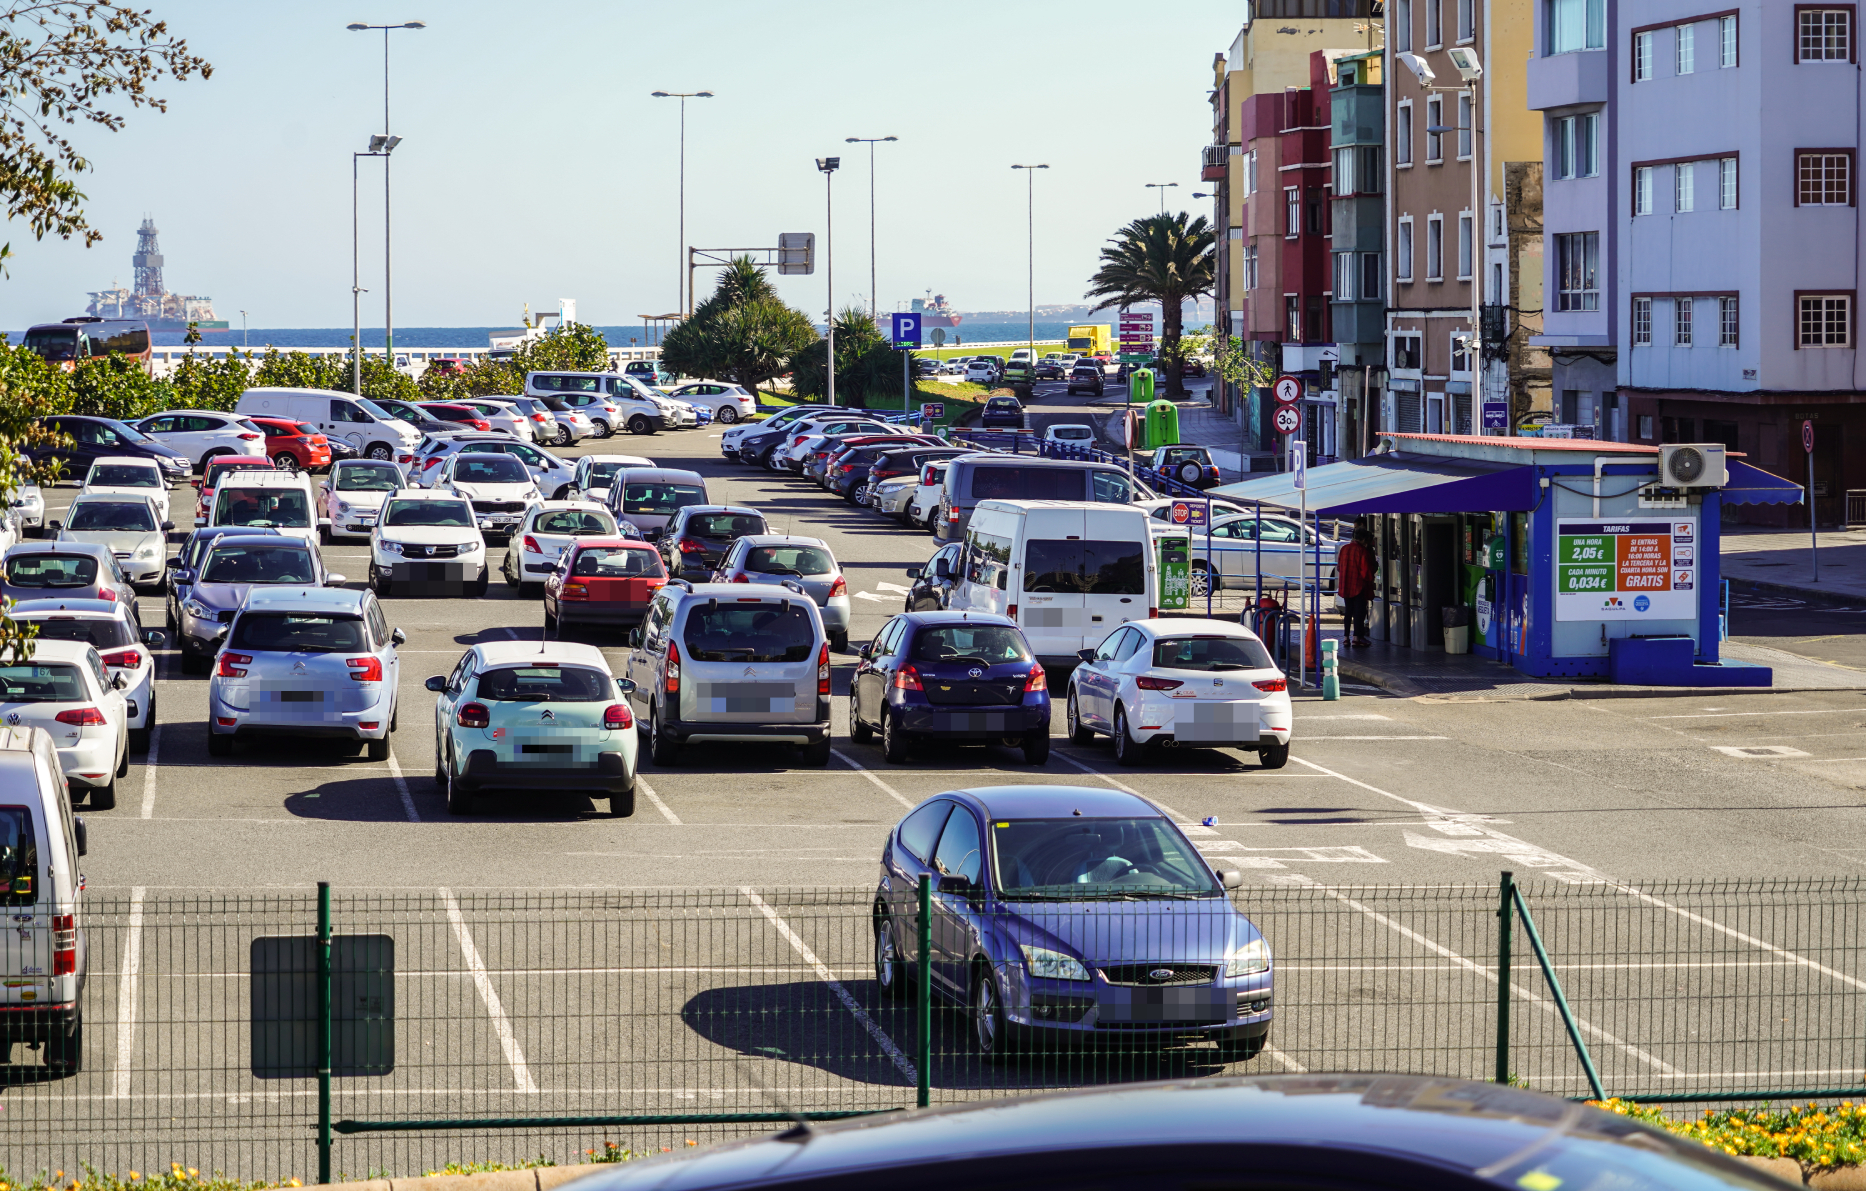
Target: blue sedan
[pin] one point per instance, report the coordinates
(1064, 914)
(950, 677)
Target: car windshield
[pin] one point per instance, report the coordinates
(34, 683)
(574, 522)
(789, 560)
(375, 411)
(111, 516)
(660, 497)
(368, 478)
(490, 469)
(264, 508)
(123, 475)
(103, 632)
(1179, 454)
(299, 632)
(1211, 653)
(617, 562)
(725, 525)
(1074, 859)
(258, 564)
(444, 514)
(1083, 567)
(543, 683)
(602, 473)
(51, 570)
(767, 631)
(989, 644)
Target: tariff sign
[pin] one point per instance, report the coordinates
(933, 409)
(1288, 392)
(1288, 418)
(1194, 514)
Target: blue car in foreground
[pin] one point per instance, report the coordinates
(954, 677)
(1065, 914)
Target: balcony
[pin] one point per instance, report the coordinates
(1562, 80)
(1212, 161)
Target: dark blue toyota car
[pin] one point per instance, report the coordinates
(1065, 914)
(950, 677)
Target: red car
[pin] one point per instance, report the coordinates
(217, 467)
(294, 446)
(448, 411)
(606, 581)
(448, 366)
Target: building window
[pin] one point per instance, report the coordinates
(1460, 351)
(1435, 248)
(1467, 232)
(1577, 146)
(1344, 173)
(1684, 185)
(1434, 27)
(1726, 42)
(1726, 321)
(1250, 267)
(1823, 177)
(1370, 277)
(1687, 48)
(1645, 426)
(1824, 35)
(1344, 277)
(1681, 321)
(1402, 248)
(1577, 25)
(1642, 57)
(1826, 320)
(1496, 222)
(1726, 183)
(1292, 317)
(1400, 27)
(1466, 126)
(1642, 190)
(1357, 171)
(1578, 260)
(1467, 28)
(1406, 353)
(1402, 135)
(1292, 212)
(1642, 324)
(1434, 118)
(1496, 281)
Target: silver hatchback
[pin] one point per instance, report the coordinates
(776, 557)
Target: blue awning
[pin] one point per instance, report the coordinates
(1398, 483)
(1750, 485)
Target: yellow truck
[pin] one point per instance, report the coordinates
(1093, 340)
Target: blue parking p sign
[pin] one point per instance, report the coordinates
(906, 330)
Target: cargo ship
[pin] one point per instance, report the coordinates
(934, 311)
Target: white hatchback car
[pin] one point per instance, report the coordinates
(201, 434)
(534, 547)
(1204, 683)
(122, 644)
(127, 526)
(128, 475)
(729, 402)
(593, 473)
(1073, 433)
(354, 494)
(63, 687)
(981, 372)
(498, 486)
(427, 544)
(29, 509)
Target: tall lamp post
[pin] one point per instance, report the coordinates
(1030, 188)
(871, 141)
(829, 165)
(682, 299)
(1162, 187)
(356, 280)
(379, 147)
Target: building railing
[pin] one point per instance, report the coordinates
(1212, 162)
(1856, 506)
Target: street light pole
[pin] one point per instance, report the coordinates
(1030, 189)
(387, 143)
(683, 299)
(1162, 187)
(870, 141)
(829, 165)
(356, 284)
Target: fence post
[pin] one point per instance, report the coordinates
(323, 1031)
(923, 994)
(1561, 1000)
(1506, 908)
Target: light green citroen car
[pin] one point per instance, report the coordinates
(517, 716)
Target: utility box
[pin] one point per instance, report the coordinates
(1175, 563)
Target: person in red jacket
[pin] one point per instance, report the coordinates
(1354, 579)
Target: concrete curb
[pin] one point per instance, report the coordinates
(1845, 1178)
(1407, 689)
(1765, 587)
(538, 1178)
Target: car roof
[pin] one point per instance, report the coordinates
(513, 653)
(690, 510)
(305, 599)
(241, 531)
(606, 541)
(55, 546)
(271, 479)
(45, 649)
(729, 592)
(1038, 802)
(949, 617)
(362, 462)
(782, 539)
(109, 609)
(111, 496)
(664, 473)
(1192, 626)
(142, 461)
(241, 536)
(427, 494)
(557, 506)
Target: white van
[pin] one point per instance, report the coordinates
(372, 430)
(1067, 571)
(284, 501)
(41, 997)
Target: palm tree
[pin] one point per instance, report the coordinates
(1161, 258)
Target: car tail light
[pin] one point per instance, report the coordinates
(617, 716)
(672, 683)
(365, 669)
(906, 679)
(404, 458)
(952, 515)
(1147, 682)
(369, 725)
(690, 546)
(531, 545)
(430, 463)
(1271, 686)
(1012, 612)
(82, 717)
(739, 577)
(107, 593)
(473, 715)
(481, 424)
(574, 591)
(230, 664)
(822, 670)
(64, 944)
(1036, 680)
(226, 721)
(129, 659)
(539, 418)
(839, 588)
(251, 437)
(926, 477)
(1153, 614)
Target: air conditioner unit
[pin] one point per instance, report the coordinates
(1692, 466)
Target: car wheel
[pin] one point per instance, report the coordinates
(380, 450)
(990, 1032)
(622, 803)
(378, 584)
(378, 750)
(64, 1051)
(508, 569)
(286, 463)
(323, 535)
(1201, 578)
(1037, 746)
(477, 588)
(440, 773)
(859, 732)
(459, 802)
(839, 642)
(663, 749)
(893, 740)
(816, 754)
(1079, 733)
(104, 798)
(1239, 1050)
(891, 976)
(640, 425)
(728, 414)
(563, 435)
(602, 430)
(1273, 756)
(1127, 751)
(219, 744)
(123, 764)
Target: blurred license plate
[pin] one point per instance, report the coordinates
(1191, 1005)
(366, 519)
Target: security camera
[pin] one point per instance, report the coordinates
(1464, 60)
(1416, 64)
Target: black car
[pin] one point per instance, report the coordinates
(1049, 370)
(1086, 375)
(93, 438)
(698, 537)
(933, 583)
(1002, 411)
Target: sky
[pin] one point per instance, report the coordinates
(536, 165)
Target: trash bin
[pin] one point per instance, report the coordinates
(1456, 621)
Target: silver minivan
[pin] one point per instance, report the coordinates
(648, 497)
(46, 960)
(731, 662)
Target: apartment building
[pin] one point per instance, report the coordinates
(1357, 286)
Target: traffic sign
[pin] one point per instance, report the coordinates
(796, 252)
(1298, 463)
(1288, 418)
(906, 329)
(1496, 415)
(933, 409)
(939, 336)
(1807, 437)
(1193, 514)
(1288, 389)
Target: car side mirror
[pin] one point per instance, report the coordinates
(954, 883)
(173, 562)
(168, 527)
(119, 681)
(437, 684)
(335, 580)
(52, 527)
(184, 575)
(155, 638)
(397, 637)
(913, 572)
(1230, 877)
(634, 638)
(625, 685)
(83, 836)
(861, 651)
(1087, 655)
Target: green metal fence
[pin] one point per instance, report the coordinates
(548, 1024)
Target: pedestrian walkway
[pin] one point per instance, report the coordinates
(1780, 560)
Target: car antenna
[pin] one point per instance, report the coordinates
(802, 1132)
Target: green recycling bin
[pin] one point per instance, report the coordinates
(1174, 560)
(1162, 423)
(1140, 386)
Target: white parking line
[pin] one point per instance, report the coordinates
(508, 1042)
(901, 1062)
(1122, 786)
(890, 791)
(1718, 715)
(1313, 739)
(149, 770)
(126, 996)
(401, 787)
(642, 785)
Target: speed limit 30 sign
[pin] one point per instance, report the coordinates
(1287, 419)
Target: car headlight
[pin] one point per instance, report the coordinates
(1248, 960)
(469, 547)
(390, 547)
(197, 609)
(1053, 965)
(146, 552)
(343, 506)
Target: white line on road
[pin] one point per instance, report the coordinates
(647, 789)
(1317, 739)
(901, 1062)
(508, 1042)
(1739, 936)
(1123, 787)
(126, 996)
(1718, 715)
(401, 787)
(149, 770)
(890, 791)
(1289, 1064)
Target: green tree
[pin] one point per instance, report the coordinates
(204, 382)
(1161, 258)
(866, 364)
(744, 332)
(114, 387)
(573, 347)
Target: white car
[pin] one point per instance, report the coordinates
(534, 547)
(497, 485)
(730, 403)
(925, 501)
(1287, 550)
(593, 473)
(200, 434)
(128, 475)
(1205, 683)
(504, 417)
(1073, 433)
(553, 476)
(788, 416)
(127, 526)
(62, 687)
(427, 544)
(981, 372)
(122, 644)
(891, 495)
(604, 414)
(29, 509)
(354, 494)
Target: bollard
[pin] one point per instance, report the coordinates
(1331, 673)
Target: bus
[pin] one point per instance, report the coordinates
(1093, 340)
(65, 343)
